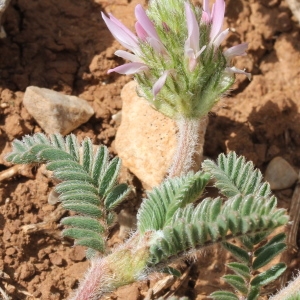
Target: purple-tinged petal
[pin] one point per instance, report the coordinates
(220, 38)
(238, 71)
(156, 45)
(193, 29)
(121, 35)
(200, 51)
(130, 68)
(160, 83)
(145, 22)
(205, 18)
(121, 25)
(140, 31)
(127, 55)
(217, 18)
(238, 50)
(206, 7)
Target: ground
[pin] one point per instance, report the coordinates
(65, 46)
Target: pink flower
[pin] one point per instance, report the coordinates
(146, 33)
(191, 47)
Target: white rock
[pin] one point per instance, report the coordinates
(280, 174)
(56, 112)
(146, 139)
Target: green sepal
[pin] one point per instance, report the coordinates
(237, 282)
(237, 252)
(85, 209)
(240, 269)
(267, 255)
(222, 295)
(84, 223)
(270, 275)
(116, 196)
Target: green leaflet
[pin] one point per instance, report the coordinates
(164, 201)
(240, 269)
(236, 177)
(237, 252)
(223, 295)
(270, 275)
(88, 186)
(237, 282)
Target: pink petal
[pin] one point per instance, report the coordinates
(238, 71)
(193, 29)
(160, 83)
(145, 22)
(121, 35)
(220, 38)
(206, 7)
(238, 50)
(217, 18)
(141, 33)
(122, 26)
(130, 68)
(127, 55)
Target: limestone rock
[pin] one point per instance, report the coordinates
(280, 174)
(56, 112)
(146, 139)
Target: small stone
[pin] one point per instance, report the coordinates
(56, 112)
(280, 174)
(56, 259)
(146, 139)
(77, 254)
(25, 271)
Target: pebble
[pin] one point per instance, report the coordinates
(146, 139)
(56, 112)
(280, 174)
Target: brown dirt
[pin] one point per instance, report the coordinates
(65, 46)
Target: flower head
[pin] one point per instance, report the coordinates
(178, 62)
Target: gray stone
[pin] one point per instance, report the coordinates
(56, 112)
(280, 174)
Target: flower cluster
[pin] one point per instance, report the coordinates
(176, 57)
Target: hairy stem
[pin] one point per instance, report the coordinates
(190, 142)
(123, 266)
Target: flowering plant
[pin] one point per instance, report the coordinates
(182, 71)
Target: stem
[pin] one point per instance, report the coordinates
(190, 141)
(124, 265)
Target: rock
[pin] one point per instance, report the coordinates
(77, 253)
(280, 174)
(56, 112)
(146, 139)
(56, 259)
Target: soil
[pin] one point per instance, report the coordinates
(65, 46)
